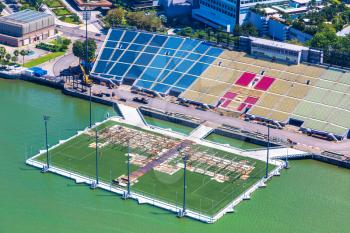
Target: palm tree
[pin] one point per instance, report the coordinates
(14, 59)
(2, 54)
(7, 57)
(23, 53)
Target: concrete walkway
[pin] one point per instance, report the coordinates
(131, 115)
(200, 132)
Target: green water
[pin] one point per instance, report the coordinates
(168, 125)
(309, 197)
(232, 142)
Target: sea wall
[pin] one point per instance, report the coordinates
(165, 117)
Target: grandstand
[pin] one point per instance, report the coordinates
(316, 97)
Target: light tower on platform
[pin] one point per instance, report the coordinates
(267, 151)
(127, 194)
(47, 167)
(183, 211)
(95, 183)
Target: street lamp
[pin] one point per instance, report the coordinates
(45, 169)
(183, 212)
(94, 184)
(128, 192)
(267, 151)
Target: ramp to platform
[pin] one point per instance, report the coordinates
(131, 115)
(201, 132)
(276, 153)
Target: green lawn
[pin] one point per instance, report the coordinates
(203, 194)
(69, 19)
(168, 125)
(240, 144)
(61, 11)
(53, 3)
(43, 59)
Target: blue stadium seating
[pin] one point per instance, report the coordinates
(151, 61)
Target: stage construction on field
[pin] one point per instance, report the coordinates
(217, 180)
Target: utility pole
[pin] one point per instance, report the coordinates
(86, 16)
(127, 194)
(267, 151)
(94, 184)
(96, 141)
(128, 168)
(90, 118)
(183, 212)
(45, 169)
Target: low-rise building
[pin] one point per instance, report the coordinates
(279, 51)
(26, 27)
(226, 13)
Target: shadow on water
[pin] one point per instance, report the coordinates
(27, 168)
(76, 185)
(108, 195)
(162, 213)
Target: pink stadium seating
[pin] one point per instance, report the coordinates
(241, 106)
(245, 79)
(264, 83)
(226, 103)
(230, 95)
(251, 100)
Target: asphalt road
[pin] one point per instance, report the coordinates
(78, 33)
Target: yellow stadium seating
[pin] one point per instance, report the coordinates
(287, 104)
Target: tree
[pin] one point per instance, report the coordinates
(2, 54)
(7, 57)
(36, 3)
(14, 59)
(147, 21)
(79, 49)
(16, 53)
(247, 29)
(23, 53)
(115, 17)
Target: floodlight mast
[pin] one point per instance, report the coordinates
(86, 16)
(128, 194)
(183, 212)
(46, 119)
(267, 151)
(96, 141)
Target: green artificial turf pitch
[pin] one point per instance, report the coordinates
(204, 195)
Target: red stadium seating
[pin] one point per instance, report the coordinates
(230, 95)
(226, 103)
(265, 83)
(251, 100)
(241, 106)
(245, 79)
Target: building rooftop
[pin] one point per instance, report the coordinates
(301, 1)
(278, 44)
(22, 17)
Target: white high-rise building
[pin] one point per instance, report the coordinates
(225, 13)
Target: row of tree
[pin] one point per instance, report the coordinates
(336, 14)
(6, 58)
(140, 19)
(336, 48)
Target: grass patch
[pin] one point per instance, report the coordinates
(61, 11)
(43, 59)
(54, 3)
(69, 19)
(168, 125)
